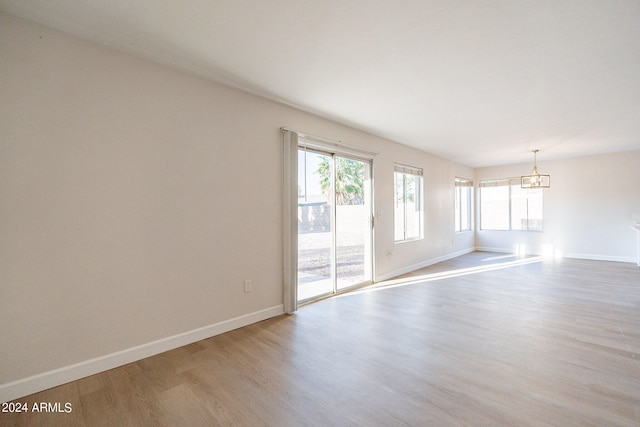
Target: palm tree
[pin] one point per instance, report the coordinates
(349, 180)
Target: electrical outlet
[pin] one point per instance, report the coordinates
(248, 286)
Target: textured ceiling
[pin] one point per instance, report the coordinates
(478, 82)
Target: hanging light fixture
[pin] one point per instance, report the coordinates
(535, 180)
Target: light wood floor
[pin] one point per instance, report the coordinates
(530, 342)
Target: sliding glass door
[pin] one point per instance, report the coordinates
(334, 223)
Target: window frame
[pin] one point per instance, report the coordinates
(510, 183)
(417, 173)
(459, 185)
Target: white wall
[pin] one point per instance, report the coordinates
(136, 199)
(588, 210)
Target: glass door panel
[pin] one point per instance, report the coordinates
(315, 225)
(353, 222)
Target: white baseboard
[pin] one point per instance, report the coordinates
(593, 257)
(601, 257)
(46, 380)
(497, 250)
(423, 264)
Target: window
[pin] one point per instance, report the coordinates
(408, 203)
(494, 205)
(463, 204)
(506, 206)
(526, 208)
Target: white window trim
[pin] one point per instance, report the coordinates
(458, 183)
(410, 170)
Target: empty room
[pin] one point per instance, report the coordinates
(319, 213)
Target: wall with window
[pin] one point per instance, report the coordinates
(136, 199)
(587, 212)
(440, 240)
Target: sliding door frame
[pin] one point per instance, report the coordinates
(291, 142)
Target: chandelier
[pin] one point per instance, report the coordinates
(535, 180)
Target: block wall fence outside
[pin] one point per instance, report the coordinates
(316, 217)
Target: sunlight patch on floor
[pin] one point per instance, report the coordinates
(414, 280)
